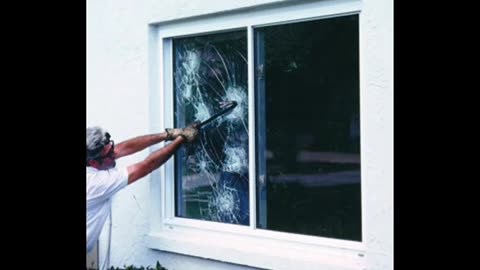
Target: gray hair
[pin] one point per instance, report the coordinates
(97, 138)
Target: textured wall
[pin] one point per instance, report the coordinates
(117, 99)
(376, 58)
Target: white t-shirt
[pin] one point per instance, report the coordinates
(101, 186)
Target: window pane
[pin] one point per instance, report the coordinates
(212, 174)
(308, 137)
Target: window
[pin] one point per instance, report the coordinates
(280, 175)
(307, 104)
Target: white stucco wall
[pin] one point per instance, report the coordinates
(118, 100)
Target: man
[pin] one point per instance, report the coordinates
(104, 180)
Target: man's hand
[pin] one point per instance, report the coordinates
(173, 133)
(189, 133)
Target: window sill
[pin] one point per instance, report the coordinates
(254, 251)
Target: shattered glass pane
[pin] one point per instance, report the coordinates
(212, 174)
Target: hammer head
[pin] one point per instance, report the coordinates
(224, 104)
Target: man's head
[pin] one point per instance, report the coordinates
(100, 149)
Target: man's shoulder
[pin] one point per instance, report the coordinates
(94, 176)
(105, 183)
(91, 170)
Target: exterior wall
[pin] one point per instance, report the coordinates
(376, 59)
(118, 100)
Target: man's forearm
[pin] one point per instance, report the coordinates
(134, 145)
(160, 156)
(153, 161)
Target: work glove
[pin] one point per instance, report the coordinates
(173, 133)
(189, 133)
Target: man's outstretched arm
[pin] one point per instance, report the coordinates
(136, 144)
(159, 157)
(153, 161)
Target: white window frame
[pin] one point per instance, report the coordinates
(246, 245)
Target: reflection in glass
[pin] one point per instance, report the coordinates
(212, 175)
(308, 130)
